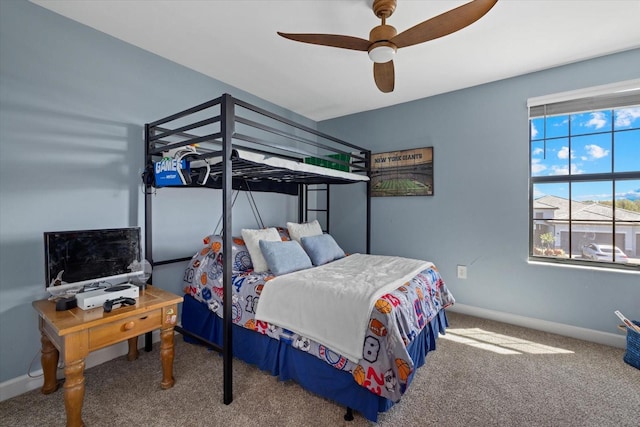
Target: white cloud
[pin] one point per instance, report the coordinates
(561, 124)
(564, 170)
(560, 170)
(592, 197)
(538, 151)
(534, 131)
(564, 153)
(536, 167)
(631, 194)
(575, 169)
(598, 120)
(626, 116)
(595, 151)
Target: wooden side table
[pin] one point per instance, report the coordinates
(76, 332)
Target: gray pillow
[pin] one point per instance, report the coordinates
(284, 257)
(321, 249)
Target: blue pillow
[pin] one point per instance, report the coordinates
(321, 249)
(284, 257)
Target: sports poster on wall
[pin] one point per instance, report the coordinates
(402, 173)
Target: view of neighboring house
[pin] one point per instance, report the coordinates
(591, 222)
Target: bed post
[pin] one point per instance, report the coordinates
(327, 196)
(349, 415)
(147, 200)
(148, 243)
(367, 157)
(227, 129)
(302, 201)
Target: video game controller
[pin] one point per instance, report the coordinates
(108, 304)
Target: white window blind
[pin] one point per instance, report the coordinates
(623, 94)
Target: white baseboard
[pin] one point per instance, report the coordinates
(605, 338)
(24, 383)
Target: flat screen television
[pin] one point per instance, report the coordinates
(83, 255)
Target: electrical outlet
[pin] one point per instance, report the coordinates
(462, 272)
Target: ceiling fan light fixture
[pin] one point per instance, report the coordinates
(382, 52)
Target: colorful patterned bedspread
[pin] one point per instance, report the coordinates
(397, 318)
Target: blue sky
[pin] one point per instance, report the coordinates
(600, 141)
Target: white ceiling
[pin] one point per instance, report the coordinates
(236, 42)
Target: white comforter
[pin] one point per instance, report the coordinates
(332, 304)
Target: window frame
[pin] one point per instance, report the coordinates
(606, 97)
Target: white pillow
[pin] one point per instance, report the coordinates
(252, 240)
(298, 231)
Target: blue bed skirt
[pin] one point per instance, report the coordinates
(288, 363)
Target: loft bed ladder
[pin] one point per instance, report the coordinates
(227, 120)
(309, 211)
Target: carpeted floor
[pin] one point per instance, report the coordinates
(483, 373)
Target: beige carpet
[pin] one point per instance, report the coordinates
(547, 380)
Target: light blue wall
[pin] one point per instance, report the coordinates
(479, 214)
(73, 103)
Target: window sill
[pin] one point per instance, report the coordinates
(585, 265)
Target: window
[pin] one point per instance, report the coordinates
(584, 177)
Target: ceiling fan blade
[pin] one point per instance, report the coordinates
(333, 40)
(444, 24)
(384, 75)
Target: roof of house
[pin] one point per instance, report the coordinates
(592, 211)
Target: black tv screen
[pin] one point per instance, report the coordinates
(90, 254)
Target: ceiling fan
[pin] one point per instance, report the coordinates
(384, 40)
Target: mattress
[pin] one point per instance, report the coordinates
(258, 166)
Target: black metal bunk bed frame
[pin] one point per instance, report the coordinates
(232, 173)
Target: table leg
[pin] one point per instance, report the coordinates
(166, 356)
(49, 362)
(74, 392)
(133, 349)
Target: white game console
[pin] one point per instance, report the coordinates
(93, 299)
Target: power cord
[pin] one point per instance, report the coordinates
(29, 369)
